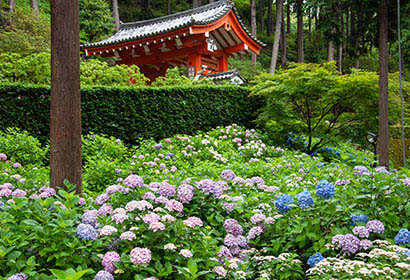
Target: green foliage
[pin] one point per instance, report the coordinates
(96, 22)
(315, 101)
(23, 33)
(21, 147)
(31, 69)
(39, 234)
(97, 72)
(172, 78)
(35, 69)
(131, 113)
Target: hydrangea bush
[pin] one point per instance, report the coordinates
(217, 205)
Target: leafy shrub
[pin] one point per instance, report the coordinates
(172, 78)
(21, 147)
(132, 113)
(96, 22)
(23, 33)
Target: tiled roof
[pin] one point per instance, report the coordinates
(156, 26)
(228, 75)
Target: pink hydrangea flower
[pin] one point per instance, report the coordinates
(174, 205)
(186, 253)
(193, 222)
(151, 218)
(155, 226)
(128, 235)
(108, 230)
(140, 256)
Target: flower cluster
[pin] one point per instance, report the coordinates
(315, 259)
(325, 189)
(282, 203)
(402, 237)
(86, 232)
(140, 256)
(305, 199)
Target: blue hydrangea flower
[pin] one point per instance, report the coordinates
(315, 259)
(325, 189)
(86, 232)
(103, 275)
(358, 219)
(282, 203)
(305, 199)
(89, 218)
(402, 237)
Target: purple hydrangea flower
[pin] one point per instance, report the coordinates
(166, 190)
(232, 226)
(103, 275)
(375, 226)
(228, 175)
(86, 232)
(108, 260)
(361, 170)
(102, 198)
(361, 231)
(349, 244)
(185, 193)
(133, 181)
(18, 276)
(254, 232)
(257, 218)
(89, 217)
(365, 244)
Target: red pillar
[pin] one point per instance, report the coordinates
(194, 60)
(223, 63)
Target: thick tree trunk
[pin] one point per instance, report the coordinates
(115, 14)
(211, 1)
(383, 87)
(355, 31)
(283, 54)
(288, 23)
(253, 26)
(261, 23)
(169, 7)
(196, 3)
(278, 27)
(65, 113)
(34, 6)
(301, 55)
(269, 30)
(12, 5)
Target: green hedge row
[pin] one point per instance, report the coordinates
(132, 113)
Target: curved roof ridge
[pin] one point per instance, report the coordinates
(177, 15)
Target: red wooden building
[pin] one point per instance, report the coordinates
(202, 39)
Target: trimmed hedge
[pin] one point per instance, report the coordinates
(132, 113)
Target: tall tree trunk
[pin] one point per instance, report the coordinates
(253, 26)
(340, 52)
(269, 30)
(12, 5)
(288, 23)
(211, 1)
(261, 23)
(278, 27)
(301, 55)
(355, 31)
(196, 3)
(115, 14)
(331, 51)
(65, 113)
(283, 54)
(169, 7)
(145, 6)
(383, 87)
(34, 6)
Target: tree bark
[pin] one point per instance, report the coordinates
(331, 51)
(115, 14)
(253, 26)
(269, 30)
(12, 5)
(278, 27)
(34, 6)
(261, 24)
(65, 113)
(288, 23)
(300, 58)
(283, 54)
(145, 6)
(211, 1)
(383, 87)
(341, 42)
(169, 7)
(196, 3)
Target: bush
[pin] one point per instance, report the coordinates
(132, 113)
(20, 147)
